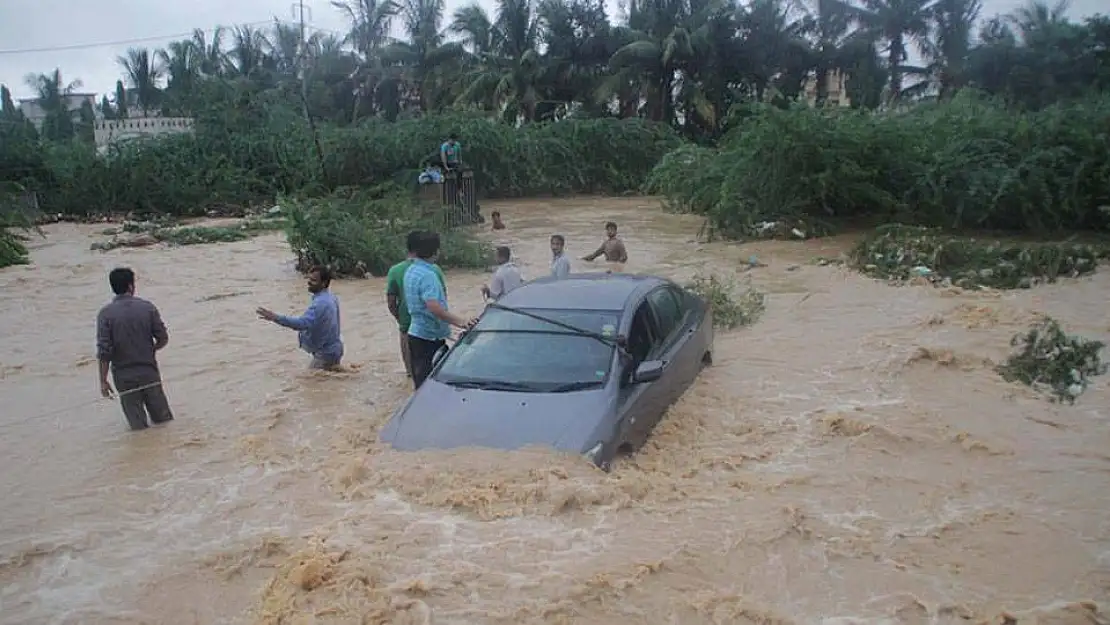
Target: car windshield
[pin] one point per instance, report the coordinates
(519, 351)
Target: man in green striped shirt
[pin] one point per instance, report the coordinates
(395, 297)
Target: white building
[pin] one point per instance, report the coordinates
(107, 132)
(33, 111)
(835, 86)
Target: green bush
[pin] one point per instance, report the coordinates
(358, 232)
(961, 164)
(16, 221)
(1051, 361)
(728, 311)
(245, 159)
(12, 248)
(898, 252)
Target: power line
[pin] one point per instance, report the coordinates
(121, 42)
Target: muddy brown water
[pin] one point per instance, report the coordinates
(850, 459)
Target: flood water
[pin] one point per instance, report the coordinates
(849, 459)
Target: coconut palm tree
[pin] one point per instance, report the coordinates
(179, 61)
(949, 49)
(370, 21)
(897, 23)
(505, 73)
(144, 76)
(418, 61)
(51, 91)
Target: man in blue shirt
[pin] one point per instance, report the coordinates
(426, 301)
(450, 153)
(318, 328)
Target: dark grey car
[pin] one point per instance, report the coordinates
(586, 364)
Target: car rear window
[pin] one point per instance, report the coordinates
(511, 347)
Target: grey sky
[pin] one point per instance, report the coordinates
(52, 23)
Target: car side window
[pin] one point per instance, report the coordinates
(641, 337)
(668, 310)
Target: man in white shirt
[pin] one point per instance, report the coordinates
(506, 278)
(560, 264)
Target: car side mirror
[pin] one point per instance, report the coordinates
(648, 371)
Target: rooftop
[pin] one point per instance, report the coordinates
(580, 291)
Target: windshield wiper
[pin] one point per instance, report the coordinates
(610, 342)
(491, 385)
(575, 386)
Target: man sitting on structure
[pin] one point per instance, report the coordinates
(450, 153)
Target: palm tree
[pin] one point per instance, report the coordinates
(898, 23)
(211, 58)
(950, 46)
(52, 91)
(506, 74)
(179, 61)
(247, 57)
(370, 21)
(659, 45)
(418, 59)
(578, 42)
(144, 75)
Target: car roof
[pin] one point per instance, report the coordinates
(581, 291)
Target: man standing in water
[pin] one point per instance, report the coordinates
(612, 247)
(450, 153)
(506, 278)
(395, 296)
(426, 300)
(318, 328)
(560, 264)
(129, 331)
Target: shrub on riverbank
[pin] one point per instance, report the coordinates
(15, 223)
(898, 252)
(242, 162)
(729, 311)
(362, 231)
(12, 248)
(1053, 362)
(961, 164)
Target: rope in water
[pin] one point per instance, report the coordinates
(84, 404)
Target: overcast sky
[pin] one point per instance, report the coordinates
(31, 30)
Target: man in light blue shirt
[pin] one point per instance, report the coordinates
(560, 264)
(318, 328)
(426, 300)
(506, 278)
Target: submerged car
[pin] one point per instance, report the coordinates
(586, 364)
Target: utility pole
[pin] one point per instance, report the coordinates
(299, 10)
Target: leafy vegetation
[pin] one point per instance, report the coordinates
(12, 248)
(964, 164)
(169, 231)
(900, 252)
(728, 311)
(358, 232)
(16, 220)
(1049, 360)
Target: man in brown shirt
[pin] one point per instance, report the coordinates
(129, 330)
(612, 247)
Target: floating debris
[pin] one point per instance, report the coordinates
(898, 252)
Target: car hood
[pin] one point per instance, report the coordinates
(441, 417)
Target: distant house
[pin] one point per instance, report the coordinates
(837, 92)
(107, 132)
(33, 111)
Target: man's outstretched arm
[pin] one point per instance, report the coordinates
(304, 322)
(598, 252)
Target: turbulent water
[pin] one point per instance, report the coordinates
(850, 459)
